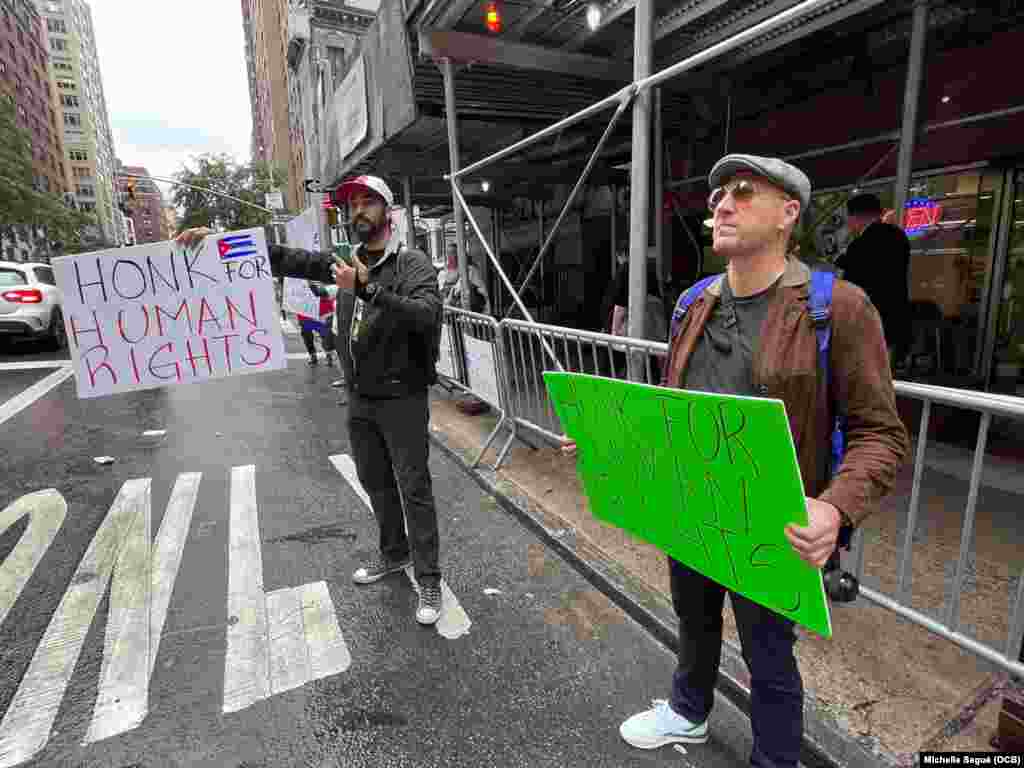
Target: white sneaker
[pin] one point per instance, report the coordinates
(659, 726)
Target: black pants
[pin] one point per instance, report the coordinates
(391, 447)
(767, 639)
(327, 336)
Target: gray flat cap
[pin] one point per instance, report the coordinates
(788, 177)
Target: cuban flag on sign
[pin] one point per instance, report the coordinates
(236, 246)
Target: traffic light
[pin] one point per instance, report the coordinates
(492, 16)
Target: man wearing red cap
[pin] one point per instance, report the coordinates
(388, 319)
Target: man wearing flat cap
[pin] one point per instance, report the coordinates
(749, 332)
(388, 317)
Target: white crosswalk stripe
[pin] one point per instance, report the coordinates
(454, 621)
(276, 641)
(273, 639)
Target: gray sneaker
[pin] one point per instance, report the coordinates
(378, 569)
(429, 610)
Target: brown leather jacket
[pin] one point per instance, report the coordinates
(786, 367)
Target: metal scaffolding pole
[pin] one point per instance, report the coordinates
(407, 189)
(453, 154)
(911, 100)
(659, 187)
(640, 176)
(615, 229)
(575, 191)
(551, 130)
(780, 19)
(460, 200)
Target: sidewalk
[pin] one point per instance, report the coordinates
(881, 689)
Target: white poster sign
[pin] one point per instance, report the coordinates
(157, 315)
(275, 200)
(298, 298)
(350, 101)
(303, 231)
(483, 374)
(446, 360)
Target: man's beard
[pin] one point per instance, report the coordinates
(366, 231)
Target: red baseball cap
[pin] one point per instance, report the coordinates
(373, 184)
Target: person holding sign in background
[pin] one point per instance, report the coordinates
(321, 324)
(750, 332)
(389, 321)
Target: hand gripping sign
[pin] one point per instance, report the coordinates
(159, 314)
(711, 480)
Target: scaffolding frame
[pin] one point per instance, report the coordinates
(638, 93)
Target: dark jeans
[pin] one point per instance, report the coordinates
(389, 443)
(327, 335)
(767, 639)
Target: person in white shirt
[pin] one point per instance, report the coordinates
(451, 287)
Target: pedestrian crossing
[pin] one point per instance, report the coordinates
(275, 641)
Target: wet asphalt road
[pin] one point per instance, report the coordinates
(544, 676)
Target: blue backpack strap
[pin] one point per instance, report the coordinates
(685, 300)
(820, 306)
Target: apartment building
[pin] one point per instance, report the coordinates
(82, 117)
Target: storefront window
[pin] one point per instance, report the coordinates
(949, 220)
(1009, 344)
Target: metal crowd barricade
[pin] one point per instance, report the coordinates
(578, 351)
(615, 356)
(948, 627)
(451, 369)
(472, 361)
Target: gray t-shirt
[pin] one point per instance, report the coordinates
(723, 358)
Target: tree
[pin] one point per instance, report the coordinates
(220, 173)
(22, 204)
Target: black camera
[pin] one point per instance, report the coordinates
(840, 586)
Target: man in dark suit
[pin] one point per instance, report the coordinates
(878, 260)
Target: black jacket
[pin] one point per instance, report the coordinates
(878, 261)
(392, 350)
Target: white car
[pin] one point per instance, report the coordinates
(31, 303)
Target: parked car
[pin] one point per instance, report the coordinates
(31, 304)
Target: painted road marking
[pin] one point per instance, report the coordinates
(277, 641)
(301, 639)
(26, 725)
(454, 621)
(34, 365)
(138, 612)
(46, 511)
(247, 665)
(21, 401)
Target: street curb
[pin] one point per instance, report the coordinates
(825, 745)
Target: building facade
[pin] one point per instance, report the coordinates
(24, 83)
(265, 36)
(144, 203)
(321, 38)
(250, 66)
(170, 220)
(82, 119)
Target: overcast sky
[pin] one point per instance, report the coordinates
(175, 80)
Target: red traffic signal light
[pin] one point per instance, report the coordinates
(492, 16)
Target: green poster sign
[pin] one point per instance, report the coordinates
(711, 480)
